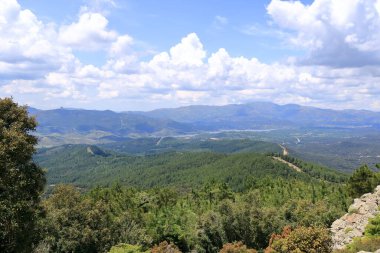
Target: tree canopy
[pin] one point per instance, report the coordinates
(21, 180)
(363, 180)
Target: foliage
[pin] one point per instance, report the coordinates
(237, 247)
(173, 203)
(144, 146)
(373, 227)
(165, 247)
(362, 181)
(366, 243)
(21, 180)
(211, 233)
(73, 164)
(94, 223)
(301, 239)
(127, 248)
(203, 220)
(316, 170)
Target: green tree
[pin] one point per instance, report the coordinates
(211, 234)
(21, 180)
(87, 223)
(363, 180)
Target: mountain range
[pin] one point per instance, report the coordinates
(195, 119)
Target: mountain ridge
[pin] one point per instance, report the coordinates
(260, 115)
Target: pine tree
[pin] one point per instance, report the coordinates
(363, 180)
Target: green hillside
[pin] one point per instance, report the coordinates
(75, 164)
(195, 200)
(140, 146)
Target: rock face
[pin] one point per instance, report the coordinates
(353, 223)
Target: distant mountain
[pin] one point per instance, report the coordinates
(65, 126)
(63, 121)
(264, 115)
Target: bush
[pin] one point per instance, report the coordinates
(165, 247)
(373, 227)
(127, 248)
(236, 247)
(369, 244)
(302, 239)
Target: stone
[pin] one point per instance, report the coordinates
(353, 223)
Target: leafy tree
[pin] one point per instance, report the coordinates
(302, 239)
(88, 223)
(363, 180)
(21, 180)
(211, 234)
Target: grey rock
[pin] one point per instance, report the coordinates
(353, 223)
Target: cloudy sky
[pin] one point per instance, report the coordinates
(144, 54)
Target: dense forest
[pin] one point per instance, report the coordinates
(88, 166)
(205, 201)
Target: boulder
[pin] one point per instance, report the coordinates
(353, 223)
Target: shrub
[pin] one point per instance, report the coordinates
(236, 247)
(165, 247)
(369, 244)
(127, 248)
(302, 239)
(373, 227)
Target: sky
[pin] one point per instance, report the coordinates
(128, 55)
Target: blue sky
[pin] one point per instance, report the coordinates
(158, 25)
(146, 54)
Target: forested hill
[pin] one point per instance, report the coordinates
(152, 145)
(78, 165)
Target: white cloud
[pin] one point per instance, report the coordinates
(189, 52)
(36, 64)
(121, 46)
(28, 47)
(220, 22)
(336, 33)
(89, 33)
(122, 57)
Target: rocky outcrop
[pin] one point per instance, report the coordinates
(353, 223)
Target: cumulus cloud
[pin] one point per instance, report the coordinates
(336, 33)
(89, 33)
(221, 78)
(38, 65)
(189, 52)
(28, 47)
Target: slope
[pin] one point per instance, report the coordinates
(74, 164)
